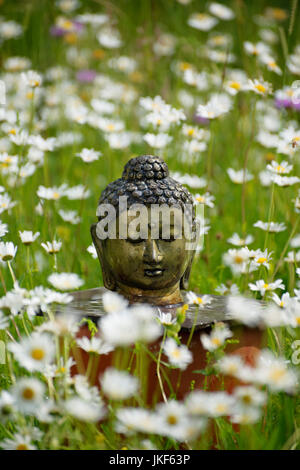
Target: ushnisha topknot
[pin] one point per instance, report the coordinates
(145, 167)
(146, 180)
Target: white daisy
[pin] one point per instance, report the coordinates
(65, 281)
(179, 356)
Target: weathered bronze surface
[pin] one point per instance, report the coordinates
(147, 269)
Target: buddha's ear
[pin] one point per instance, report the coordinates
(184, 281)
(108, 278)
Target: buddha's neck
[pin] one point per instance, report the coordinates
(156, 297)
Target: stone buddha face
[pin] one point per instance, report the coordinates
(147, 256)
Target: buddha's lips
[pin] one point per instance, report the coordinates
(152, 272)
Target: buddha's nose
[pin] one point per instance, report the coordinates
(152, 254)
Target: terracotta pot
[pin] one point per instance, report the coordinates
(250, 342)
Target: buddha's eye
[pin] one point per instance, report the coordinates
(168, 240)
(135, 241)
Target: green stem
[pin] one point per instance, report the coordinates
(11, 272)
(285, 248)
(158, 367)
(28, 267)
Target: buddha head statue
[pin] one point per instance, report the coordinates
(146, 233)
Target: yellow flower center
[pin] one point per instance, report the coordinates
(98, 53)
(67, 24)
(238, 259)
(261, 260)
(220, 408)
(28, 393)
(191, 131)
(29, 95)
(232, 369)
(200, 199)
(56, 195)
(38, 354)
(176, 353)
(216, 341)
(247, 399)
(260, 88)
(279, 14)
(266, 286)
(70, 38)
(111, 127)
(171, 419)
(277, 374)
(12, 131)
(201, 16)
(22, 447)
(218, 40)
(185, 66)
(272, 64)
(235, 85)
(280, 169)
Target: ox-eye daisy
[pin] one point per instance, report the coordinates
(194, 299)
(262, 287)
(217, 337)
(262, 258)
(28, 394)
(202, 21)
(239, 176)
(7, 251)
(273, 372)
(221, 11)
(118, 385)
(94, 345)
(206, 199)
(236, 240)
(88, 155)
(65, 281)
(219, 104)
(31, 78)
(28, 237)
(179, 356)
(260, 87)
(279, 168)
(34, 352)
(52, 247)
(270, 226)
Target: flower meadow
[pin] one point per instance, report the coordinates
(213, 89)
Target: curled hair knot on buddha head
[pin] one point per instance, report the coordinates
(146, 180)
